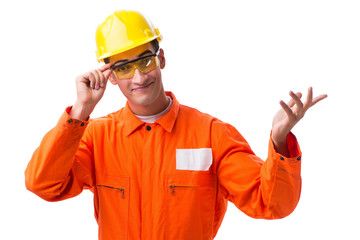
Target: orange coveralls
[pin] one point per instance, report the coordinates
(167, 180)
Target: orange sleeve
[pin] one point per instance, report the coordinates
(61, 167)
(267, 190)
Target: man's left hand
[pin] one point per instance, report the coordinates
(288, 116)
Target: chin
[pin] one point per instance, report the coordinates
(145, 100)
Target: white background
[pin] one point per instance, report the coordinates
(232, 59)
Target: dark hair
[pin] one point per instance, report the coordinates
(154, 43)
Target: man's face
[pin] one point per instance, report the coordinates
(143, 89)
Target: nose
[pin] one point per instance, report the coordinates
(139, 77)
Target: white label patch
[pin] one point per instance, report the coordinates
(194, 159)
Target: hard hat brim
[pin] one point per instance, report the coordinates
(139, 43)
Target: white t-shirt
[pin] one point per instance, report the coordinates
(153, 118)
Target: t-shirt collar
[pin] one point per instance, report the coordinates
(132, 123)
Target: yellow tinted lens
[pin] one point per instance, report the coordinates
(145, 65)
(125, 71)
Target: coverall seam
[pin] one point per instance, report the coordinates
(273, 180)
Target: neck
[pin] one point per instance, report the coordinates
(159, 105)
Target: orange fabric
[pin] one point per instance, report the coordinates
(139, 193)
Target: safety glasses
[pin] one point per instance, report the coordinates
(127, 69)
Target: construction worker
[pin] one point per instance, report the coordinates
(158, 169)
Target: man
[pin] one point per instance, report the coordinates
(158, 169)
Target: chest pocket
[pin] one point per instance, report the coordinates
(190, 206)
(112, 193)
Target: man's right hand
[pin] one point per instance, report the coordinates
(90, 88)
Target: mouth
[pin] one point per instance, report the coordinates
(143, 87)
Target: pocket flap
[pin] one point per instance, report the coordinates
(192, 180)
(112, 181)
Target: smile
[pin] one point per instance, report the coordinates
(144, 87)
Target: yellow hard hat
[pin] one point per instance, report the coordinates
(123, 30)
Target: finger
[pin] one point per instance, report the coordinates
(287, 109)
(104, 67)
(92, 79)
(309, 99)
(291, 103)
(107, 73)
(318, 99)
(296, 98)
(97, 79)
(101, 78)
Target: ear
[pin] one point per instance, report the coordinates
(113, 78)
(162, 59)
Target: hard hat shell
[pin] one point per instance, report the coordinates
(123, 30)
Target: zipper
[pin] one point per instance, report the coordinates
(119, 189)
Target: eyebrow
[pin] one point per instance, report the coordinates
(140, 55)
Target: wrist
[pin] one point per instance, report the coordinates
(81, 111)
(281, 146)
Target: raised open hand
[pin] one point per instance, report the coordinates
(289, 115)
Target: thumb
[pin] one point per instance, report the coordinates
(107, 73)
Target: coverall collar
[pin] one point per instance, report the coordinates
(167, 121)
